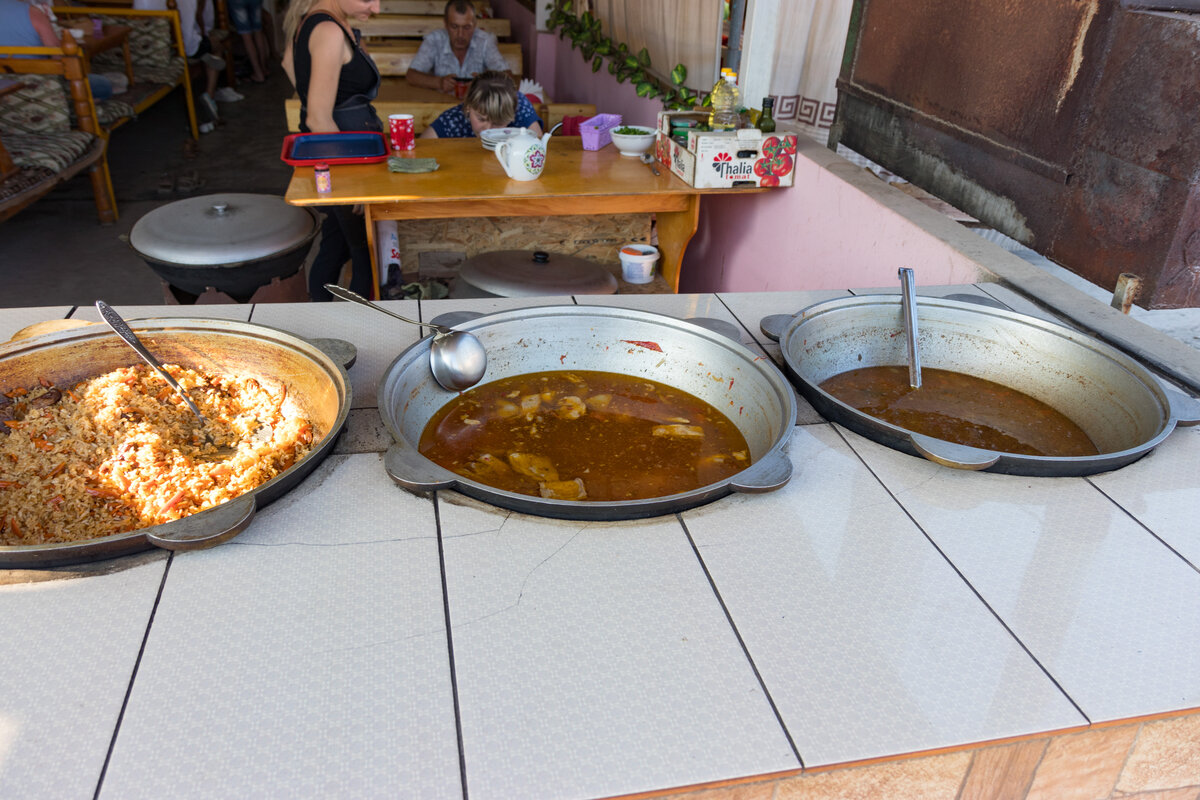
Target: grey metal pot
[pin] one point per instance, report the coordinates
(233, 242)
(1121, 406)
(317, 386)
(749, 390)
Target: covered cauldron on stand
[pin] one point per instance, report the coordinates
(530, 273)
(1116, 401)
(228, 248)
(689, 355)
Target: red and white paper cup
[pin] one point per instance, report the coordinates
(400, 126)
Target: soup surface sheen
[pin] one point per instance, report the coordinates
(583, 435)
(961, 408)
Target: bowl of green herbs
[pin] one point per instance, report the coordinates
(632, 140)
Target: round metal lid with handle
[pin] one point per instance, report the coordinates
(221, 229)
(526, 273)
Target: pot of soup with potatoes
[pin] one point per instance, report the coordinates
(591, 412)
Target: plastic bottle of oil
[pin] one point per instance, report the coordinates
(725, 96)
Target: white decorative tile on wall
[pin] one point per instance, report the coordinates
(431, 309)
(680, 306)
(69, 651)
(378, 337)
(1162, 491)
(305, 658)
(593, 660)
(365, 433)
(869, 642)
(1110, 611)
(751, 307)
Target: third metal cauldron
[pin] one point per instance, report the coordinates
(1120, 406)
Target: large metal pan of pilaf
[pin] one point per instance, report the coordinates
(97, 461)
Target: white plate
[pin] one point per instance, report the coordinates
(491, 137)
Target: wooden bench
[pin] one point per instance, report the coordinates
(431, 7)
(50, 129)
(159, 59)
(410, 26)
(394, 58)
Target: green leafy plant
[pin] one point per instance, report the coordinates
(586, 36)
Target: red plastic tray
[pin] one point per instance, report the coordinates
(345, 147)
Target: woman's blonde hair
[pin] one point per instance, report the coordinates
(296, 12)
(492, 96)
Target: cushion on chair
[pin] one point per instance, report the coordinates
(168, 73)
(149, 44)
(43, 106)
(55, 151)
(114, 109)
(25, 179)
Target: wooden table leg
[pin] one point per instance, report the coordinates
(128, 60)
(675, 230)
(370, 219)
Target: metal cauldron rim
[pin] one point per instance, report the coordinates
(1174, 407)
(408, 468)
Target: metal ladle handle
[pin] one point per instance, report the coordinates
(908, 296)
(355, 297)
(118, 324)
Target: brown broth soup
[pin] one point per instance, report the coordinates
(963, 409)
(584, 435)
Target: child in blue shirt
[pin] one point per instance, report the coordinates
(491, 102)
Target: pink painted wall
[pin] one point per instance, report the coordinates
(567, 78)
(523, 25)
(838, 226)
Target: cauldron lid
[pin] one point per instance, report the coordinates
(221, 229)
(534, 273)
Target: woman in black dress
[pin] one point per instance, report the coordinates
(336, 81)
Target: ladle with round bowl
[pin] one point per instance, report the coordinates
(456, 358)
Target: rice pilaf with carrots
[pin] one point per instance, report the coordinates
(121, 451)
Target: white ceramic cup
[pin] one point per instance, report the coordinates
(638, 267)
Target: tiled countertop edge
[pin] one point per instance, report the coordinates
(1114, 756)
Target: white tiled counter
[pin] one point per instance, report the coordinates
(879, 627)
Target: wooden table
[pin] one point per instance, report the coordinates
(110, 36)
(471, 183)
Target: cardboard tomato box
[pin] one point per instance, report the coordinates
(719, 159)
(717, 163)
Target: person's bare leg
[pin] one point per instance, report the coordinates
(210, 80)
(264, 51)
(252, 54)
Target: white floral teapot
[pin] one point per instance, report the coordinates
(523, 156)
